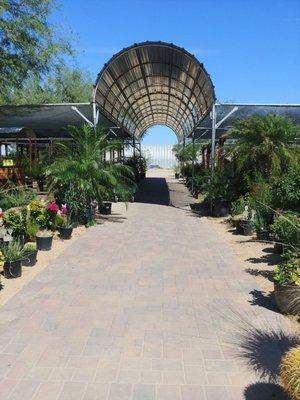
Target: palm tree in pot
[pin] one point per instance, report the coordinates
(80, 174)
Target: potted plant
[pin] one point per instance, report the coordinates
(286, 231)
(261, 227)
(44, 239)
(177, 171)
(289, 372)
(16, 221)
(216, 189)
(30, 254)
(31, 230)
(244, 222)
(13, 254)
(287, 284)
(105, 207)
(66, 228)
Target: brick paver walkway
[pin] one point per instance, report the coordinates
(138, 310)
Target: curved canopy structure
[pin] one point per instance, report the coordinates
(154, 83)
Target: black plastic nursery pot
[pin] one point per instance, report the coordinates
(12, 269)
(279, 248)
(244, 227)
(239, 227)
(263, 234)
(44, 243)
(65, 233)
(30, 259)
(220, 208)
(287, 298)
(41, 184)
(247, 227)
(105, 208)
(176, 175)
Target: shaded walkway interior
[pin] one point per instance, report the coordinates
(150, 309)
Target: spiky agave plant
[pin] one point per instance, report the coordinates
(290, 372)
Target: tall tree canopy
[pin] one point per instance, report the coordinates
(65, 85)
(29, 44)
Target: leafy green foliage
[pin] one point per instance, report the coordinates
(31, 229)
(80, 173)
(13, 251)
(286, 229)
(29, 44)
(187, 152)
(16, 221)
(15, 197)
(264, 143)
(288, 272)
(29, 247)
(286, 190)
(217, 187)
(138, 164)
(63, 85)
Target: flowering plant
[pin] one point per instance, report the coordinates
(64, 209)
(53, 207)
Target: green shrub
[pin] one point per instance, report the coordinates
(238, 206)
(16, 221)
(217, 187)
(15, 197)
(288, 272)
(31, 229)
(286, 229)
(286, 190)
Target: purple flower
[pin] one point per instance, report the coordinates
(64, 209)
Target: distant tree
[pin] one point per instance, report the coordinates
(64, 85)
(187, 152)
(29, 44)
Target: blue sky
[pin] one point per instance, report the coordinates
(251, 48)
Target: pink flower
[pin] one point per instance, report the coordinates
(64, 209)
(53, 207)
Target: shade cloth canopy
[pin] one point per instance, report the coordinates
(242, 111)
(154, 83)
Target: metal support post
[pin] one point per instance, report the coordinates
(213, 147)
(193, 162)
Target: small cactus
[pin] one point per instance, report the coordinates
(290, 372)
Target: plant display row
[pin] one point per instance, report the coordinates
(78, 181)
(258, 183)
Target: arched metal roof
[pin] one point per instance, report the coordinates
(154, 83)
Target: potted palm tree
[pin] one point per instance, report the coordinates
(13, 255)
(80, 174)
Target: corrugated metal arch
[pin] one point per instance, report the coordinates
(154, 83)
